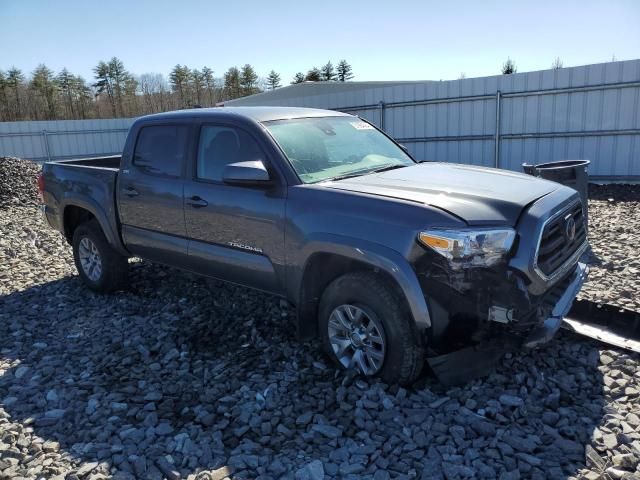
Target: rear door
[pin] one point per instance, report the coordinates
(150, 193)
(236, 233)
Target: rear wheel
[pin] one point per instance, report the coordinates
(101, 268)
(365, 326)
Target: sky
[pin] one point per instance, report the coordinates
(382, 40)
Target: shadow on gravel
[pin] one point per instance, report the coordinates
(177, 376)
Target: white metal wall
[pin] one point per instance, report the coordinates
(56, 140)
(588, 112)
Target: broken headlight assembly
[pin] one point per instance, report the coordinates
(470, 248)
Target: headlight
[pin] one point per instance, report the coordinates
(470, 248)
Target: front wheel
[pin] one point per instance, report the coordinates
(365, 326)
(101, 268)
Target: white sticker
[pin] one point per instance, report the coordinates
(361, 126)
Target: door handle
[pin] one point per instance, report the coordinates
(197, 202)
(130, 191)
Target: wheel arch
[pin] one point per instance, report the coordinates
(327, 261)
(77, 211)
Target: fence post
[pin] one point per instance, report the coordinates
(497, 139)
(381, 110)
(46, 144)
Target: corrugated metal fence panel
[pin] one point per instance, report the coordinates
(39, 140)
(586, 112)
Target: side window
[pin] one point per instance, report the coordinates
(160, 149)
(220, 146)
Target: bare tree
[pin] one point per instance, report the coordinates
(557, 64)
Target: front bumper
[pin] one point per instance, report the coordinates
(551, 325)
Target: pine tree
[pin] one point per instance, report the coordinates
(83, 96)
(345, 72)
(298, 78)
(179, 80)
(67, 86)
(209, 84)
(43, 83)
(273, 80)
(509, 67)
(198, 83)
(248, 80)
(232, 83)
(328, 73)
(103, 84)
(4, 104)
(122, 82)
(15, 81)
(313, 75)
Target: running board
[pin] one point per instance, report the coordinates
(609, 324)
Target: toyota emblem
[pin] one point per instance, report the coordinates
(570, 228)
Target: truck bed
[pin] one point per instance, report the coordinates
(89, 183)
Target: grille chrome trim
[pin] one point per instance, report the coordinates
(569, 262)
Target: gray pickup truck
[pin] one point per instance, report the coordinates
(386, 259)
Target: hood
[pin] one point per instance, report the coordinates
(478, 195)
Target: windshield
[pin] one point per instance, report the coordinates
(326, 148)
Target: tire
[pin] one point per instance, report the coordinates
(402, 350)
(90, 247)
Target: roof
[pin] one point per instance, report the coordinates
(306, 89)
(259, 114)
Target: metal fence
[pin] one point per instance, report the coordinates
(58, 140)
(588, 112)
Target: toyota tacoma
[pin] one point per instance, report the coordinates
(387, 260)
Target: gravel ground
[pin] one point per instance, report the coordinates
(179, 377)
(614, 222)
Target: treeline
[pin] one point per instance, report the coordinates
(116, 92)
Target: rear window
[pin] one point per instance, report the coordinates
(160, 150)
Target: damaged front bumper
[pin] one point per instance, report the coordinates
(551, 325)
(473, 306)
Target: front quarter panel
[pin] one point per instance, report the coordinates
(377, 231)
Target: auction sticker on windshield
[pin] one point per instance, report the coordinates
(361, 126)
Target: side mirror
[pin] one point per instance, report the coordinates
(246, 173)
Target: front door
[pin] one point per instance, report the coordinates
(150, 194)
(236, 233)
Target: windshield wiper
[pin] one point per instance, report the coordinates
(357, 173)
(389, 167)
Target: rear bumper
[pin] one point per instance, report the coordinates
(551, 325)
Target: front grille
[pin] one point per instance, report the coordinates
(556, 246)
